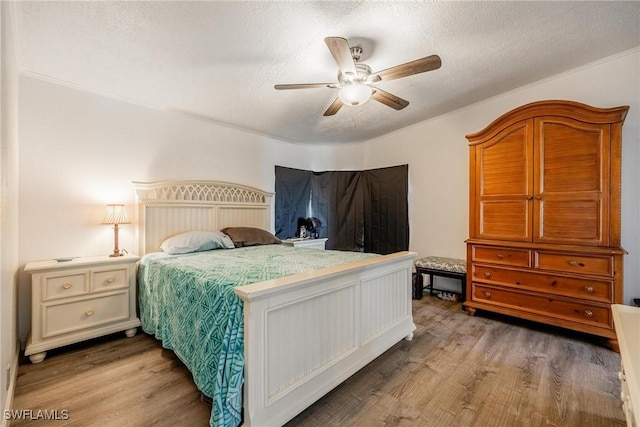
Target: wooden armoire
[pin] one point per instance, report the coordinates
(544, 220)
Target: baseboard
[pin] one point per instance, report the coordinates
(12, 384)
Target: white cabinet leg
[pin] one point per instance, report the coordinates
(38, 357)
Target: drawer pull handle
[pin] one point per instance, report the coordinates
(487, 274)
(89, 312)
(572, 262)
(588, 288)
(499, 256)
(67, 285)
(487, 294)
(588, 313)
(111, 279)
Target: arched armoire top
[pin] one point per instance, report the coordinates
(576, 110)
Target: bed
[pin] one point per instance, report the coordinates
(300, 332)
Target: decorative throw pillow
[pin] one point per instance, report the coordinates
(196, 241)
(250, 236)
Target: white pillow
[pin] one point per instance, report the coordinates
(196, 241)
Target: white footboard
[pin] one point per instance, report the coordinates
(307, 333)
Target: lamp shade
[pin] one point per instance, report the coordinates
(115, 214)
(355, 94)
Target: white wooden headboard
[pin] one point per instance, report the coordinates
(167, 208)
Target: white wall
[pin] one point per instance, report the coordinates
(437, 153)
(8, 208)
(80, 151)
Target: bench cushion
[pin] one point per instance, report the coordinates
(453, 265)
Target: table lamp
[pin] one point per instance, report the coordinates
(115, 215)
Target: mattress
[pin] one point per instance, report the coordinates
(187, 302)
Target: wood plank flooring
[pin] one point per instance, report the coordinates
(459, 370)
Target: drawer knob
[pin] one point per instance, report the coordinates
(572, 262)
(66, 285)
(499, 256)
(487, 294)
(588, 288)
(111, 279)
(588, 313)
(89, 312)
(487, 274)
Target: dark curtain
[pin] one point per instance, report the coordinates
(386, 220)
(358, 210)
(293, 192)
(345, 228)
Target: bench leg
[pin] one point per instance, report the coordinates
(463, 288)
(419, 285)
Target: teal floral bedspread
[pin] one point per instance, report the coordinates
(187, 302)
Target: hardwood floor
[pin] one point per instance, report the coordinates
(459, 370)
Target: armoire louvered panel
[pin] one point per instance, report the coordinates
(571, 182)
(505, 185)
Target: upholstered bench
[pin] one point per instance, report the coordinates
(440, 266)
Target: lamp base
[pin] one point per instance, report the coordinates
(116, 251)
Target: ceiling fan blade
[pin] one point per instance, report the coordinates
(339, 48)
(333, 108)
(418, 66)
(389, 99)
(302, 86)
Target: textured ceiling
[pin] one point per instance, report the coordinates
(220, 60)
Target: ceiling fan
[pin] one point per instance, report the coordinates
(355, 80)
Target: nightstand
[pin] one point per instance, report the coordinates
(306, 243)
(83, 298)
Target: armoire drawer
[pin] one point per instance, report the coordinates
(595, 290)
(559, 308)
(498, 255)
(585, 264)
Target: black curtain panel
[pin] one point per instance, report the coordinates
(364, 211)
(293, 192)
(386, 222)
(345, 226)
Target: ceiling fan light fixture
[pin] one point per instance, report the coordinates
(356, 81)
(355, 94)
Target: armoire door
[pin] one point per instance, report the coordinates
(571, 203)
(502, 186)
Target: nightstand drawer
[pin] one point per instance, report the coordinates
(68, 317)
(110, 279)
(62, 286)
